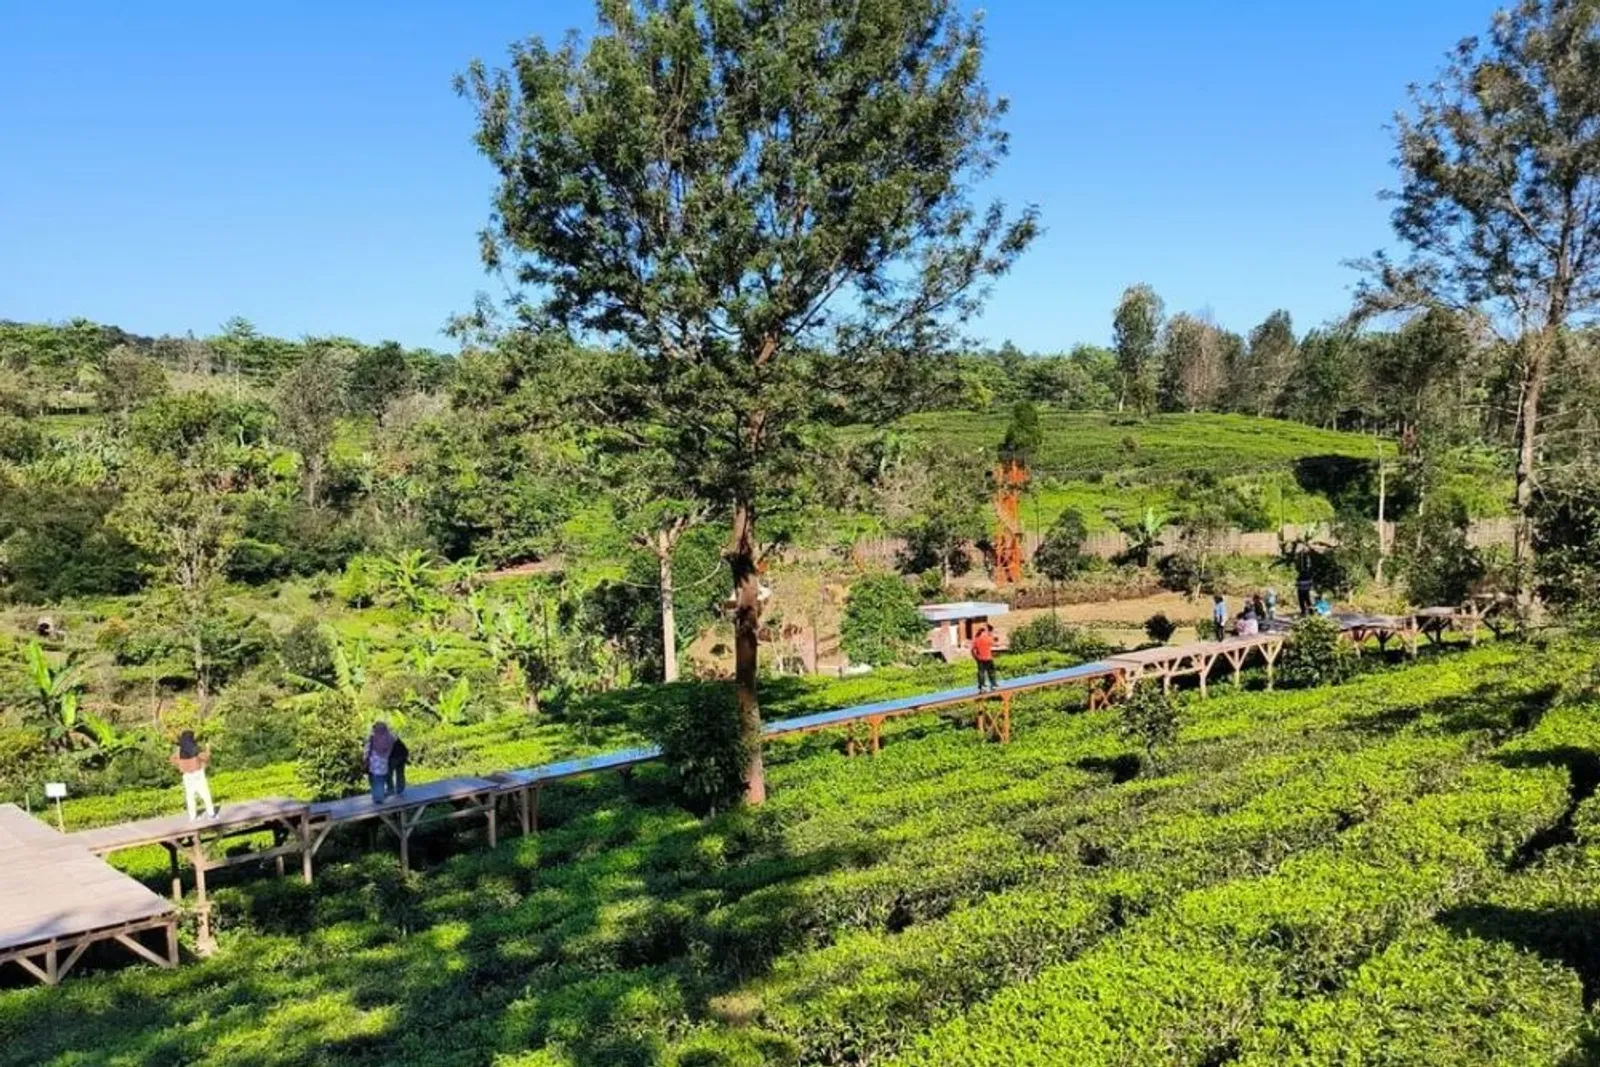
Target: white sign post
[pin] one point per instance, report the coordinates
(55, 791)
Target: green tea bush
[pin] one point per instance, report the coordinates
(328, 758)
(1316, 654)
(1149, 717)
(701, 741)
(1429, 998)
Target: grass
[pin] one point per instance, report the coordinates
(1400, 868)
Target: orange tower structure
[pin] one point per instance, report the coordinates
(1010, 477)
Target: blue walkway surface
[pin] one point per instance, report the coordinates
(630, 757)
(901, 705)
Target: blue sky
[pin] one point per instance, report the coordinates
(306, 165)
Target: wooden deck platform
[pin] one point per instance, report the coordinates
(57, 899)
(402, 813)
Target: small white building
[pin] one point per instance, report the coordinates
(953, 626)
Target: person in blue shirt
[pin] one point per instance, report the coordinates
(1219, 615)
(1324, 608)
(1272, 603)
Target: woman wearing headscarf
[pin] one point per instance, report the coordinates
(191, 761)
(375, 758)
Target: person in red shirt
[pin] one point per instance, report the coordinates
(983, 655)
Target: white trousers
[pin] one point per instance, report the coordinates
(196, 789)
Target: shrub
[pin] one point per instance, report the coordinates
(252, 728)
(1060, 555)
(1440, 565)
(20, 440)
(328, 762)
(1048, 633)
(306, 652)
(1159, 628)
(1566, 543)
(701, 741)
(881, 622)
(1149, 717)
(1316, 654)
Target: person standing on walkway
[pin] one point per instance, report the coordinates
(399, 756)
(191, 761)
(983, 656)
(1219, 616)
(1271, 603)
(1302, 590)
(375, 758)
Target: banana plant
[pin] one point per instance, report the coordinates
(448, 706)
(55, 693)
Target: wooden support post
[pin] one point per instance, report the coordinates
(204, 943)
(875, 734)
(177, 877)
(52, 973)
(303, 827)
(493, 838)
(1005, 718)
(278, 837)
(533, 810)
(172, 943)
(1203, 663)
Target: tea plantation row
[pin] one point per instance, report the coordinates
(1388, 866)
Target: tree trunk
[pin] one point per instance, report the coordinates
(1383, 496)
(313, 479)
(669, 621)
(746, 635)
(1534, 373)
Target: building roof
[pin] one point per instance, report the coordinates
(965, 609)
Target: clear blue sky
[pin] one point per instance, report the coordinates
(306, 165)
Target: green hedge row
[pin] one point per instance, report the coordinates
(1188, 982)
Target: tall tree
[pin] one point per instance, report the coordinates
(308, 402)
(195, 459)
(1499, 197)
(1268, 365)
(769, 203)
(1193, 370)
(1136, 326)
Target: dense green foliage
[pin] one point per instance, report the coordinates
(881, 622)
(1307, 872)
(1316, 654)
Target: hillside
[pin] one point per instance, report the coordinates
(1265, 471)
(1401, 867)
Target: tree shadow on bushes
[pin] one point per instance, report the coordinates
(1567, 936)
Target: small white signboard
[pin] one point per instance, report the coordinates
(55, 790)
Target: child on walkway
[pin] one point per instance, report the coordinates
(399, 756)
(191, 761)
(1219, 616)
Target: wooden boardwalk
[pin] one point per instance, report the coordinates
(105, 903)
(57, 899)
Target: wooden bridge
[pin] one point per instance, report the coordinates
(60, 896)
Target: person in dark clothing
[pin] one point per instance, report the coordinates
(1302, 590)
(983, 656)
(399, 756)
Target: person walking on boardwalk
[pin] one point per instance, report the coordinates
(375, 758)
(1271, 603)
(399, 756)
(191, 761)
(1302, 590)
(1219, 616)
(983, 656)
